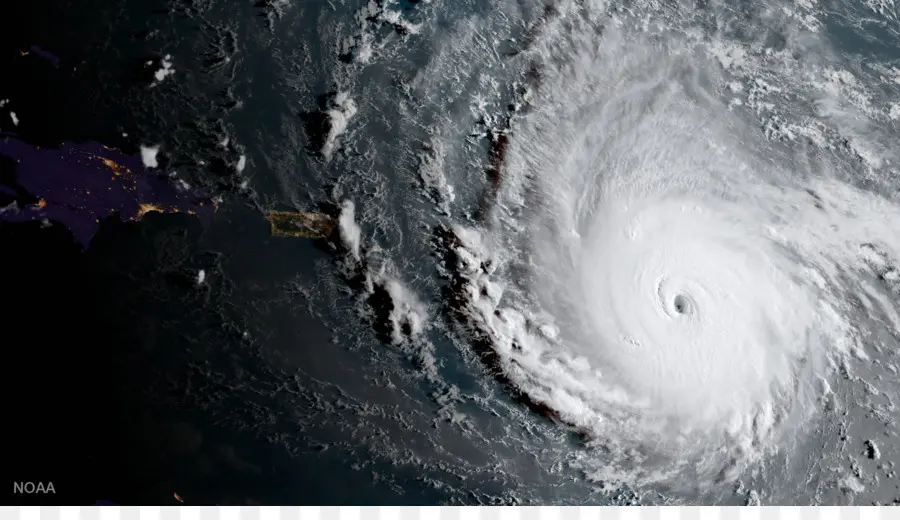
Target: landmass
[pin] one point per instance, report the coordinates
(77, 185)
(37, 51)
(300, 224)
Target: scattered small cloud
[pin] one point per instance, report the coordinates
(148, 156)
(164, 71)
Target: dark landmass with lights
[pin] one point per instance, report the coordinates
(77, 185)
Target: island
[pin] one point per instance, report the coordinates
(79, 184)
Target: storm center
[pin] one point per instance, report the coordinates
(680, 303)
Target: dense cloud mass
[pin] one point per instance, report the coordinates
(698, 282)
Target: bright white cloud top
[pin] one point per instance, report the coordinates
(667, 280)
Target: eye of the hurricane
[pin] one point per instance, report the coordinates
(675, 301)
(681, 304)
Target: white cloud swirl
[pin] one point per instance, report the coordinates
(666, 279)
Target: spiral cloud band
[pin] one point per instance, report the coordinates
(659, 274)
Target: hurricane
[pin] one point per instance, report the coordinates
(675, 290)
(673, 230)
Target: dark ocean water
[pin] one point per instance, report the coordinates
(125, 380)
